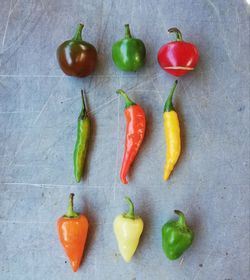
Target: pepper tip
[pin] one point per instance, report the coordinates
(178, 212)
(124, 181)
(173, 29)
(127, 198)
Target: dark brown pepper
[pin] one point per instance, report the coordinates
(77, 57)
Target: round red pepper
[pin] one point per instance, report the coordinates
(178, 57)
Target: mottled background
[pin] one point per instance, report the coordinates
(38, 112)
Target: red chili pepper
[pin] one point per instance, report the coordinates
(135, 130)
(178, 57)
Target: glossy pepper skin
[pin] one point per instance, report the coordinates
(178, 57)
(135, 131)
(128, 229)
(83, 132)
(177, 237)
(129, 54)
(172, 134)
(77, 57)
(72, 230)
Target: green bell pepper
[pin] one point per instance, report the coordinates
(129, 53)
(177, 237)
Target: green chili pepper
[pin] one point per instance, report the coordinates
(129, 53)
(177, 237)
(83, 131)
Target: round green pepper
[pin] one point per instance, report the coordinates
(129, 53)
(177, 237)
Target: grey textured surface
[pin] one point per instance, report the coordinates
(38, 111)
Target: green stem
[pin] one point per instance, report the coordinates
(84, 111)
(78, 34)
(168, 104)
(182, 219)
(128, 101)
(177, 32)
(127, 31)
(130, 214)
(70, 211)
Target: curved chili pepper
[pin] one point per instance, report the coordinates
(72, 231)
(172, 134)
(135, 130)
(83, 131)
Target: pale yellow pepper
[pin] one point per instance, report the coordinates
(128, 229)
(172, 134)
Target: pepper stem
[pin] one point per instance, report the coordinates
(78, 33)
(128, 101)
(168, 104)
(182, 219)
(127, 31)
(84, 111)
(177, 32)
(70, 211)
(130, 214)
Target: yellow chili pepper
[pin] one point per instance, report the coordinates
(128, 229)
(172, 134)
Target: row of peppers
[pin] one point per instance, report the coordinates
(79, 58)
(135, 131)
(73, 227)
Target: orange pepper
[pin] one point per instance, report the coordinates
(72, 231)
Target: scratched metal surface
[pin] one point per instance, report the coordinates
(38, 111)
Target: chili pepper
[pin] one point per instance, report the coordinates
(177, 237)
(72, 231)
(129, 53)
(128, 229)
(83, 131)
(135, 130)
(77, 57)
(172, 134)
(178, 57)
